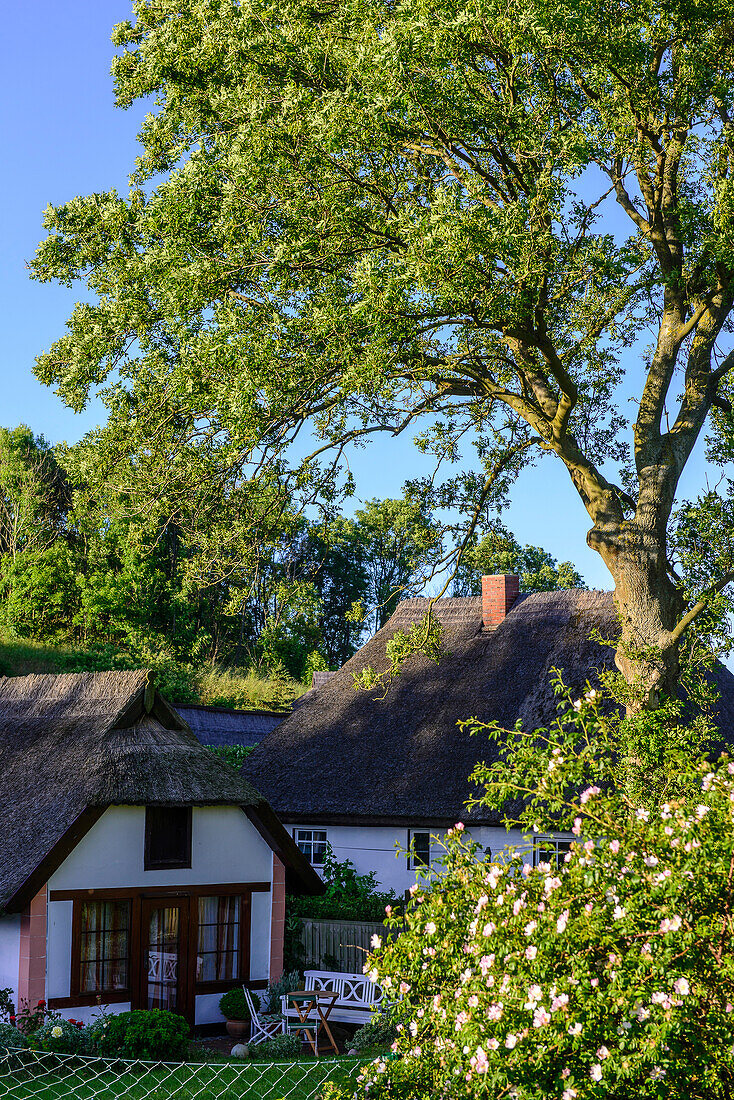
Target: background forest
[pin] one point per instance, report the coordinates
(88, 582)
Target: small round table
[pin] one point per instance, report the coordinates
(321, 1001)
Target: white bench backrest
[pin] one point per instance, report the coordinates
(355, 990)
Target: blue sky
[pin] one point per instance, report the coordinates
(63, 137)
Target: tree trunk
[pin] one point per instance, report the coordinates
(649, 606)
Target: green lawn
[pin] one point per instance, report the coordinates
(47, 1077)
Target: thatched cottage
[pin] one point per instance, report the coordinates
(367, 771)
(224, 726)
(137, 868)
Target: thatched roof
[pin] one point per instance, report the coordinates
(223, 726)
(356, 756)
(71, 745)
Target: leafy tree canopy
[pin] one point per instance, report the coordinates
(455, 219)
(498, 551)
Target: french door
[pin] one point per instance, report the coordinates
(164, 951)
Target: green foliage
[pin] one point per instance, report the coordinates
(398, 1079)
(247, 689)
(498, 551)
(233, 1005)
(7, 1008)
(424, 638)
(154, 1034)
(408, 223)
(376, 1035)
(11, 1038)
(348, 896)
(610, 973)
(34, 494)
(61, 1036)
(289, 979)
(235, 755)
(400, 546)
(281, 1048)
(702, 549)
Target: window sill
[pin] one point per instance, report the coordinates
(84, 1000)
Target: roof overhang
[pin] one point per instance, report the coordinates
(53, 859)
(397, 821)
(300, 875)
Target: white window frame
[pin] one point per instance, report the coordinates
(310, 842)
(551, 848)
(414, 865)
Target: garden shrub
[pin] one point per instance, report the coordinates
(278, 1049)
(377, 1034)
(610, 975)
(7, 1008)
(233, 1005)
(154, 1034)
(289, 979)
(11, 1038)
(348, 896)
(61, 1036)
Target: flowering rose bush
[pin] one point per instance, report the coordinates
(61, 1036)
(611, 974)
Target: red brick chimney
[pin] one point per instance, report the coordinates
(498, 595)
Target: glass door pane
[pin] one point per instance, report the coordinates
(163, 954)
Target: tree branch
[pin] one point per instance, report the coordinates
(702, 604)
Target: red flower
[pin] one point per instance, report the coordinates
(41, 1004)
(12, 1018)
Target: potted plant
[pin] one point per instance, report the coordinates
(233, 1007)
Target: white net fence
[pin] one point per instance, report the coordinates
(37, 1075)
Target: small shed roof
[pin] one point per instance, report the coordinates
(74, 744)
(220, 726)
(365, 756)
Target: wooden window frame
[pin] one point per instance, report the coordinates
(133, 993)
(414, 865)
(560, 844)
(150, 864)
(112, 996)
(307, 829)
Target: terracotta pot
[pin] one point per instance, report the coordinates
(238, 1029)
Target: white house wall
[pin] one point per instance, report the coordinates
(383, 848)
(225, 847)
(9, 953)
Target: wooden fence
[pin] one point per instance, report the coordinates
(338, 944)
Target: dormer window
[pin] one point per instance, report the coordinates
(167, 837)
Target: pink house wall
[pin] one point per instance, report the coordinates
(277, 920)
(32, 969)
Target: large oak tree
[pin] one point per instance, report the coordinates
(368, 215)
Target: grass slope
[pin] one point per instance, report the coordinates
(244, 689)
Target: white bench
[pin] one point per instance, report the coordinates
(358, 996)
